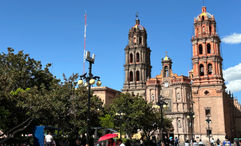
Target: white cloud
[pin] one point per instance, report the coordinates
(234, 86)
(232, 77)
(234, 38)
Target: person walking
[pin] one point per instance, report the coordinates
(176, 141)
(186, 143)
(218, 142)
(49, 139)
(200, 143)
(226, 142)
(212, 142)
(195, 143)
(111, 142)
(121, 143)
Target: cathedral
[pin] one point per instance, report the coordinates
(197, 104)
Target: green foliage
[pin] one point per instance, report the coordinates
(30, 95)
(129, 114)
(19, 75)
(107, 121)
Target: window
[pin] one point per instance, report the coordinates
(207, 111)
(206, 92)
(210, 68)
(134, 40)
(203, 29)
(200, 49)
(202, 18)
(137, 57)
(131, 76)
(152, 97)
(210, 29)
(201, 70)
(165, 71)
(140, 40)
(131, 58)
(179, 124)
(178, 96)
(209, 48)
(209, 131)
(137, 76)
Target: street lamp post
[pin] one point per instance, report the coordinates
(161, 103)
(90, 80)
(121, 116)
(208, 120)
(191, 116)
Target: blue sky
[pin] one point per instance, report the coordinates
(52, 31)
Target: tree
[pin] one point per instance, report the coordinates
(19, 73)
(133, 113)
(30, 95)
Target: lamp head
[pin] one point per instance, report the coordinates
(86, 84)
(92, 81)
(98, 83)
(80, 82)
(165, 105)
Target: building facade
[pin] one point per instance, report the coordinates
(106, 94)
(208, 88)
(137, 61)
(176, 92)
(201, 93)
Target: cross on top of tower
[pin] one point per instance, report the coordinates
(166, 53)
(204, 10)
(137, 15)
(166, 57)
(137, 19)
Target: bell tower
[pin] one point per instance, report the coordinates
(137, 60)
(208, 88)
(207, 61)
(166, 67)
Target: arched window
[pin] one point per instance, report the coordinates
(198, 31)
(201, 70)
(152, 97)
(140, 40)
(202, 18)
(165, 71)
(179, 124)
(131, 58)
(131, 76)
(210, 69)
(200, 49)
(134, 40)
(209, 48)
(137, 57)
(137, 76)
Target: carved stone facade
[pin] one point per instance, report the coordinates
(202, 93)
(176, 91)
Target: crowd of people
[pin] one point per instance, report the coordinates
(175, 142)
(167, 141)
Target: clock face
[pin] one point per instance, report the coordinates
(166, 84)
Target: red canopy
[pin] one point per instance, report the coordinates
(107, 136)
